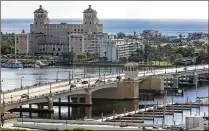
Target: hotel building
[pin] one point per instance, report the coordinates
(57, 39)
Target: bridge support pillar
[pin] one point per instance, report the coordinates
(78, 99)
(166, 82)
(195, 78)
(50, 107)
(69, 99)
(175, 81)
(40, 106)
(88, 98)
(187, 78)
(88, 112)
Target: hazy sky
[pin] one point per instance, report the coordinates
(109, 9)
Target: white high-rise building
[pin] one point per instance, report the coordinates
(114, 49)
(56, 39)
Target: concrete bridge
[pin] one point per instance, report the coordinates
(109, 87)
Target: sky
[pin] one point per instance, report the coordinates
(109, 9)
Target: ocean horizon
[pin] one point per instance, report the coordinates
(128, 26)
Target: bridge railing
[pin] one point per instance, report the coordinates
(34, 86)
(48, 94)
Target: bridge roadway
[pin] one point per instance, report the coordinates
(43, 91)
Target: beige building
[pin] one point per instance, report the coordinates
(56, 39)
(22, 43)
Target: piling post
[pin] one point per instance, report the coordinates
(135, 108)
(59, 108)
(30, 113)
(145, 107)
(132, 118)
(190, 108)
(143, 115)
(114, 117)
(153, 112)
(102, 116)
(124, 111)
(182, 92)
(163, 108)
(20, 112)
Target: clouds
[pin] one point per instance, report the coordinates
(109, 9)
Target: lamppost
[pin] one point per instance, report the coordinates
(21, 81)
(39, 79)
(50, 88)
(57, 76)
(3, 94)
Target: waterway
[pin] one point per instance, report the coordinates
(12, 79)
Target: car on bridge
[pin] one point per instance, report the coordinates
(24, 96)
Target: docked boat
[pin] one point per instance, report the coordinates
(12, 64)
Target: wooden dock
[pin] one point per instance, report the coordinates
(128, 121)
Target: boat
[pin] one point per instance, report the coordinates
(40, 64)
(12, 64)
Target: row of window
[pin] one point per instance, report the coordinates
(45, 49)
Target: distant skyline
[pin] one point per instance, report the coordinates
(109, 9)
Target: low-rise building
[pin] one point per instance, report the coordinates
(22, 43)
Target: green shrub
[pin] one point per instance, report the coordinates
(77, 129)
(12, 129)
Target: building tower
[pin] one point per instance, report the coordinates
(40, 18)
(90, 16)
(131, 71)
(37, 29)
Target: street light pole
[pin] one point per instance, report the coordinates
(39, 79)
(57, 76)
(69, 78)
(50, 89)
(21, 81)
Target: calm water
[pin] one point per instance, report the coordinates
(12, 78)
(168, 27)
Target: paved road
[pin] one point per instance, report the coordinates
(45, 89)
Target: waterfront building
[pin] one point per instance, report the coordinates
(57, 39)
(114, 49)
(22, 43)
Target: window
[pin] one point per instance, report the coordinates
(58, 49)
(53, 49)
(90, 23)
(75, 30)
(43, 49)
